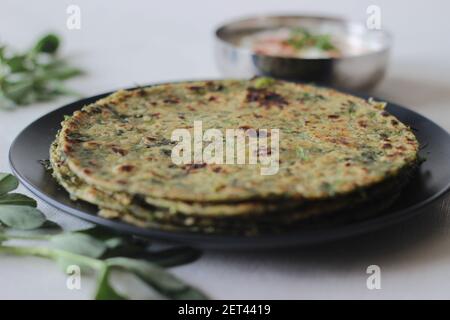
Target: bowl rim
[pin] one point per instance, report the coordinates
(220, 29)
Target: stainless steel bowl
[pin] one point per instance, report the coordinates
(354, 71)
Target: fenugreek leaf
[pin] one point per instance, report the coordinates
(21, 217)
(7, 183)
(47, 44)
(17, 199)
(3, 238)
(34, 76)
(156, 277)
(79, 243)
(104, 290)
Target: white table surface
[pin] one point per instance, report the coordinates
(141, 42)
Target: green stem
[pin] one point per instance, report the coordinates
(23, 237)
(53, 254)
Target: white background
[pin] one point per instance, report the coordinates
(125, 43)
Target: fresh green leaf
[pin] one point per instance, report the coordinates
(48, 44)
(63, 73)
(99, 243)
(54, 254)
(301, 31)
(3, 238)
(19, 92)
(152, 274)
(7, 183)
(104, 290)
(301, 38)
(34, 76)
(21, 217)
(90, 248)
(17, 63)
(118, 245)
(323, 42)
(17, 199)
(156, 277)
(80, 244)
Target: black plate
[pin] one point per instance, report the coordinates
(431, 182)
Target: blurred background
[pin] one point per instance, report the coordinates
(121, 44)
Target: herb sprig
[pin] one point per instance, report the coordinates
(94, 249)
(301, 38)
(35, 75)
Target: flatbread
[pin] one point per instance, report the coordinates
(338, 153)
(330, 143)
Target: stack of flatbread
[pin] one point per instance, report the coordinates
(308, 152)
